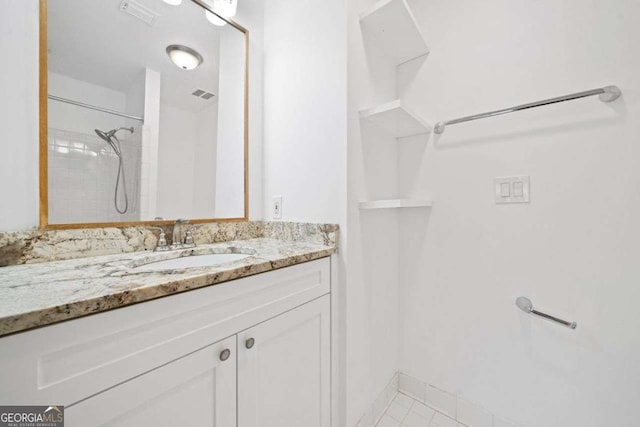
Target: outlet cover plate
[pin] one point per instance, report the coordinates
(512, 189)
(276, 209)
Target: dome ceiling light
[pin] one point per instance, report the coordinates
(184, 57)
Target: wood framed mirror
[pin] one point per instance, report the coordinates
(143, 114)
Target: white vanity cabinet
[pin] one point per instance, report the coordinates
(284, 369)
(250, 352)
(196, 390)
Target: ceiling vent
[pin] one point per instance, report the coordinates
(139, 11)
(202, 94)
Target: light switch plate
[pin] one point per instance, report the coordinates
(512, 189)
(277, 207)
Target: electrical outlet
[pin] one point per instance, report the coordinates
(277, 207)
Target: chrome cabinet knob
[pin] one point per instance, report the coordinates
(249, 343)
(224, 354)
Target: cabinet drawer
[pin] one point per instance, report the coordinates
(70, 361)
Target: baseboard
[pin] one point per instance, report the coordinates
(373, 414)
(466, 413)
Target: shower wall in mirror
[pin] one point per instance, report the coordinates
(146, 113)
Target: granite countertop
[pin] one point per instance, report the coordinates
(41, 294)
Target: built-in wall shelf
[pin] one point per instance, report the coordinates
(395, 204)
(396, 119)
(391, 26)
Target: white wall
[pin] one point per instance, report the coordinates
(229, 162)
(135, 95)
(187, 162)
(251, 16)
(83, 120)
(19, 115)
(176, 157)
(150, 169)
(204, 170)
(572, 250)
(372, 277)
(305, 109)
(305, 131)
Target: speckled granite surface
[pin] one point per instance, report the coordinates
(48, 292)
(35, 246)
(321, 234)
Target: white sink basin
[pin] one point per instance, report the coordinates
(191, 262)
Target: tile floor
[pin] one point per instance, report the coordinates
(404, 411)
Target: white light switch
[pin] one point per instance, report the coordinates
(505, 189)
(517, 189)
(512, 189)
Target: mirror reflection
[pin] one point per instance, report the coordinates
(146, 112)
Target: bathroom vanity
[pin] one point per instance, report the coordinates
(242, 349)
(228, 325)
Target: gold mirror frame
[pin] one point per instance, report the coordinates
(44, 161)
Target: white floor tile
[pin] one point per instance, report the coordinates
(387, 421)
(397, 411)
(390, 393)
(423, 410)
(440, 420)
(414, 420)
(379, 406)
(442, 410)
(404, 400)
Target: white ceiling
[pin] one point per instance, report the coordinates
(93, 41)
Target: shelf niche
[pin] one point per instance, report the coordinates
(396, 119)
(391, 26)
(395, 204)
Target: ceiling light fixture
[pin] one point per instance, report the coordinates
(215, 19)
(173, 2)
(184, 57)
(225, 8)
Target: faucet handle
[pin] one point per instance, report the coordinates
(162, 244)
(188, 240)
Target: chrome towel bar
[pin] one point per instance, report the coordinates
(526, 305)
(606, 94)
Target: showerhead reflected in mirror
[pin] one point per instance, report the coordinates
(111, 139)
(146, 115)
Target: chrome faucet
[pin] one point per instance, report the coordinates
(177, 234)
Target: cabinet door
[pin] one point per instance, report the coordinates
(196, 390)
(284, 369)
